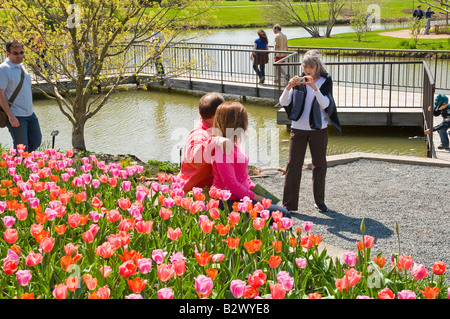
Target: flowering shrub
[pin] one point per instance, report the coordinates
(81, 228)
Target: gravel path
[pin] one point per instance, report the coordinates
(416, 196)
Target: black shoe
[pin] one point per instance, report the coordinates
(443, 147)
(322, 208)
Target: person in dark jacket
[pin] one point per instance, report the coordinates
(441, 108)
(309, 103)
(418, 13)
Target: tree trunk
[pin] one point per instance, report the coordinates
(78, 142)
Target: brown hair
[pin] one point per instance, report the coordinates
(263, 36)
(208, 104)
(230, 115)
(13, 44)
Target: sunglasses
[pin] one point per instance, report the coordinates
(17, 53)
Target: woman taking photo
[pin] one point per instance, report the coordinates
(230, 160)
(260, 59)
(309, 104)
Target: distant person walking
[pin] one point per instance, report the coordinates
(280, 44)
(260, 59)
(418, 13)
(428, 15)
(16, 99)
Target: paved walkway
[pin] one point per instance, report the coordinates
(406, 34)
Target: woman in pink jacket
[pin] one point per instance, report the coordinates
(230, 160)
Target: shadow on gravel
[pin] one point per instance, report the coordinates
(341, 225)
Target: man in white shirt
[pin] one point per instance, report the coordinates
(22, 123)
(280, 44)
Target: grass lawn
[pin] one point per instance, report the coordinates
(372, 40)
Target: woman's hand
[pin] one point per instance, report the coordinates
(310, 82)
(294, 81)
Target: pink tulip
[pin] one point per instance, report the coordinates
(134, 296)
(286, 223)
(158, 256)
(33, 259)
(47, 244)
(277, 291)
(165, 293)
(105, 270)
(144, 265)
(352, 277)
(237, 288)
(23, 277)
(285, 280)
(2, 207)
(350, 258)
(368, 241)
(300, 262)
(126, 186)
(33, 202)
(165, 272)
(218, 257)
(307, 226)
(168, 202)
(406, 294)
(419, 271)
(8, 221)
(203, 285)
(265, 214)
(259, 223)
(60, 291)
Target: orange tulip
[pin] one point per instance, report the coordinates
(277, 245)
(250, 292)
(316, 239)
(222, 229)
(429, 292)
(203, 259)
(27, 295)
(232, 242)
(380, 261)
(293, 241)
(137, 285)
(253, 246)
(16, 249)
(212, 273)
(274, 261)
(60, 229)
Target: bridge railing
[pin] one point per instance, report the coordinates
(438, 61)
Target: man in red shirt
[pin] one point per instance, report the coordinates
(196, 167)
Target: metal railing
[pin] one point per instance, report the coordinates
(438, 61)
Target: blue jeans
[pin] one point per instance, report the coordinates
(27, 133)
(261, 71)
(444, 136)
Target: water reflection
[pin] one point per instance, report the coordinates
(154, 124)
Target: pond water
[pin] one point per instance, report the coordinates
(154, 124)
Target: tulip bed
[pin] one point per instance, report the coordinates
(83, 229)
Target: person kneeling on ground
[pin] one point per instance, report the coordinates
(230, 160)
(441, 108)
(196, 164)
